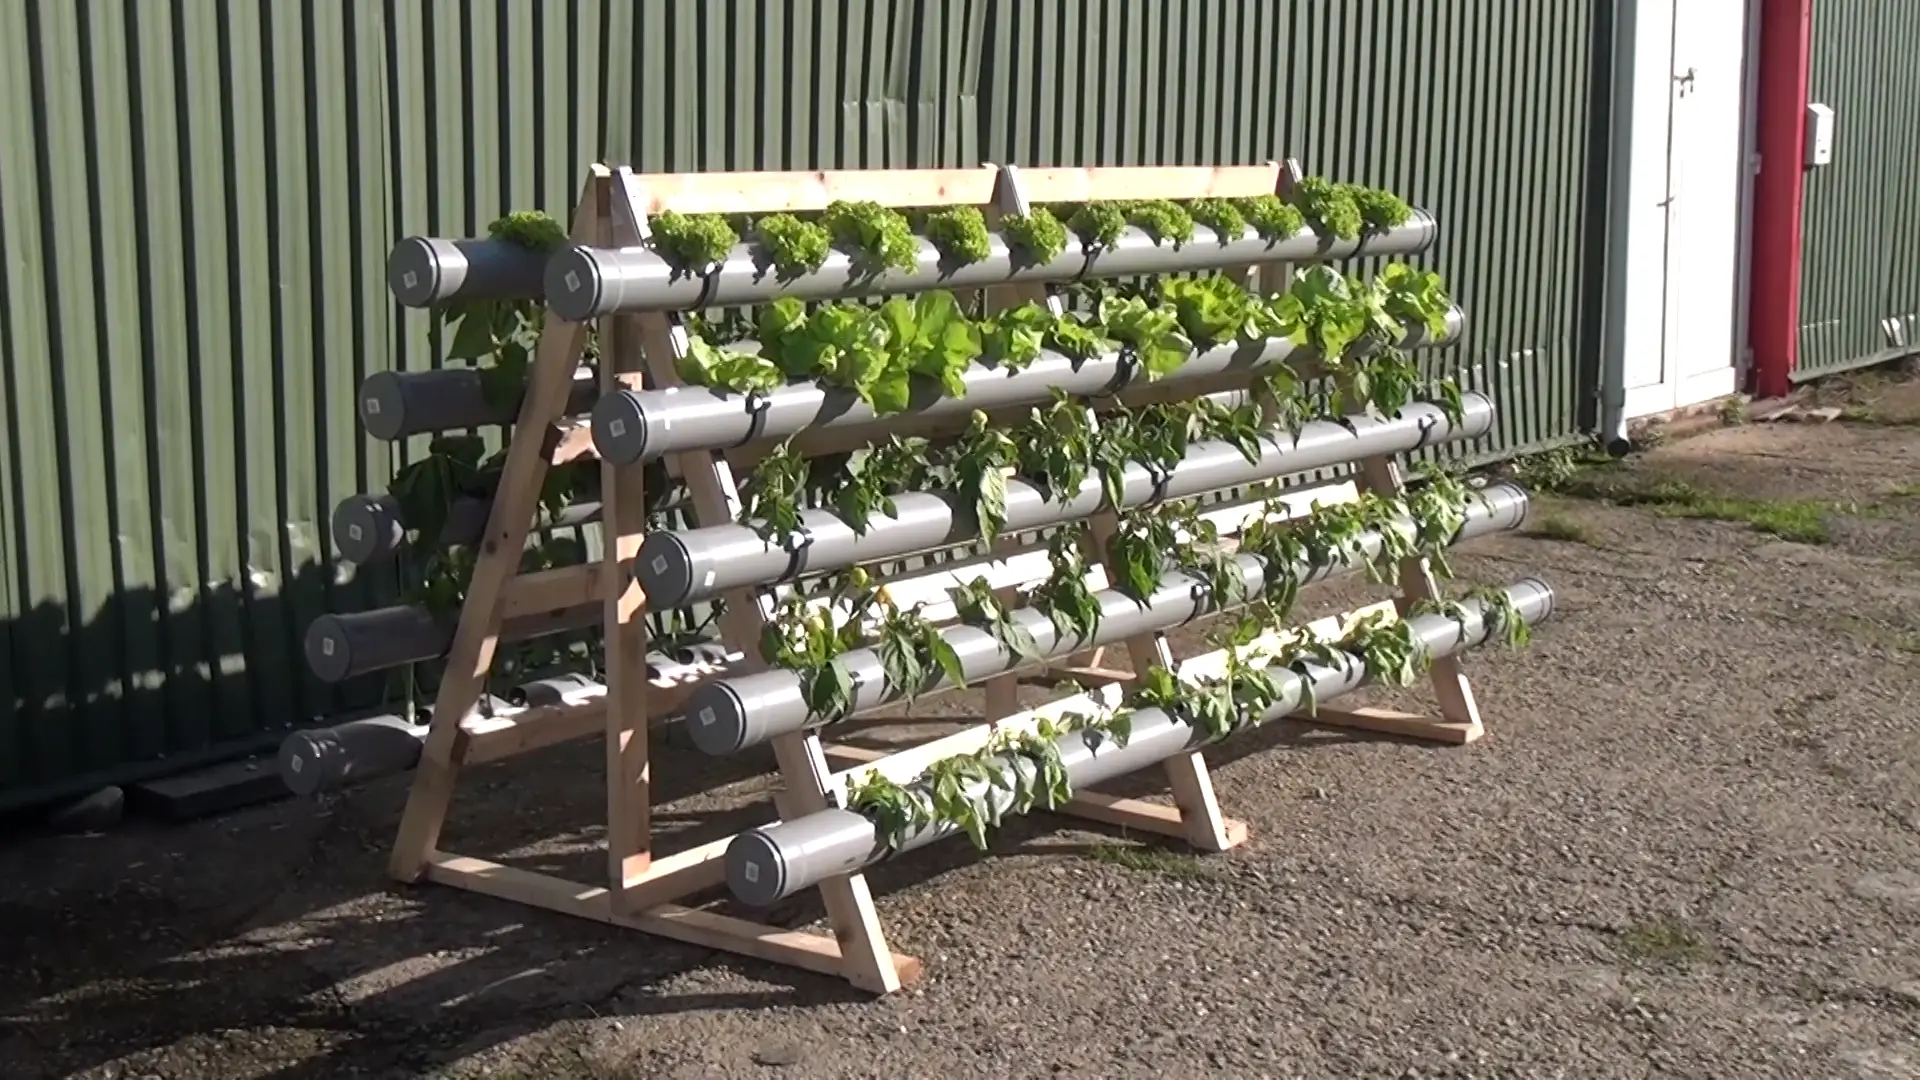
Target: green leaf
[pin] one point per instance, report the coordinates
(474, 337)
(504, 382)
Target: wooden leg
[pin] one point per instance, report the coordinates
(866, 962)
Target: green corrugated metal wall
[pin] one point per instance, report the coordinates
(196, 198)
(1860, 282)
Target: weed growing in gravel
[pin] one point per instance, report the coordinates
(1867, 414)
(1798, 520)
(1562, 469)
(1666, 941)
(1561, 527)
(1733, 411)
(1175, 865)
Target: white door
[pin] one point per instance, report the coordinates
(1693, 355)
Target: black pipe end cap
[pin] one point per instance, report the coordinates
(383, 406)
(574, 284)
(423, 270)
(302, 761)
(717, 720)
(328, 648)
(620, 428)
(367, 528)
(756, 870)
(664, 566)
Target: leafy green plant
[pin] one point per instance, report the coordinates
(1214, 311)
(727, 369)
(796, 248)
(532, 229)
(1328, 207)
(1056, 447)
(775, 494)
(1152, 334)
(931, 337)
(959, 233)
(913, 653)
(1380, 211)
(1271, 217)
(980, 461)
(1322, 312)
(1501, 616)
(692, 242)
(1037, 235)
(1161, 219)
(811, 639)
(1064, 597)
(1388, 647)
(1411, 295)
(1222, 216)
(879, 238)
(1097, 224)
(893, 466)
(1012, 340)
(980, 608)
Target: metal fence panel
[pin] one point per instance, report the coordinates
(196, 199)
(1860, 279)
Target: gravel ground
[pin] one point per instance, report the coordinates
(1689, 846)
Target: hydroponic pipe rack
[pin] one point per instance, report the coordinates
(632, 426)
(689, 567)
(731, 714)
(773, 862)
(371, 528)
(586, 283)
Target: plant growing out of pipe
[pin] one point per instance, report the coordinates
(1328, 207)
(809, 640)
(879, 352)
(974, 792)
(795, 248)
(1065, 597)
(1380, 211)
(1271, 217)
(1221, 215)
(959, 233)
(1036, 236)
(878, 237)
(692, 242)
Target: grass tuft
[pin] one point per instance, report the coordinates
(1149, 859)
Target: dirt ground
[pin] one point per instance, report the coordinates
(1689, 846)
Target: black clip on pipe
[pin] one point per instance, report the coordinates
(709, 284)
(797, 543)
(1124, 371)
(757, 404)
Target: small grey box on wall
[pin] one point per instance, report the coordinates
(1819, 135)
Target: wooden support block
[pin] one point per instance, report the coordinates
(1390, 722)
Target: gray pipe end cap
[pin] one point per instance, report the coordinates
(1533, 599)
(756, 869)
(423, 269)
(302, 763)
(366, 528)
(328, 652)
(619, 428)
(717, 720)
(665, 569)
(574, 284)
(383, 407)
